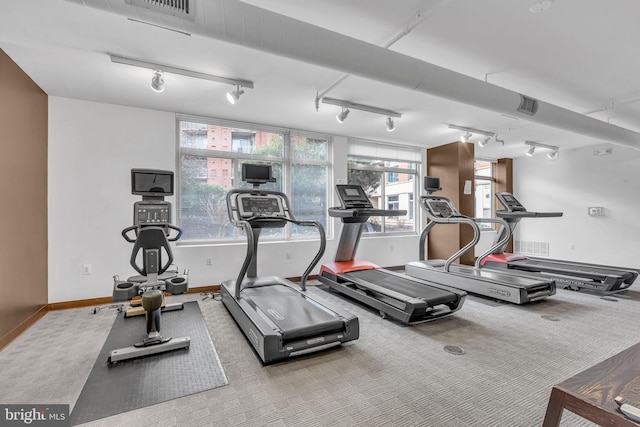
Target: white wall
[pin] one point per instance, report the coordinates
(576, 181)
(92, 148)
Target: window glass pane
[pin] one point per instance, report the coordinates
(203, 190)
(193, 135)
(308, 148)
(263, 143)
(483, 191)
(401, 165)
(399, 190)
(365, 161)
(371, 182)
(483, 201)
(483, 168)
(210, 159)
(309, 197)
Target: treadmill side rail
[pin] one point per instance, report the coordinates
(268, 339)
(407, 309)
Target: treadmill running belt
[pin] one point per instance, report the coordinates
(405, 286)
(294, 314)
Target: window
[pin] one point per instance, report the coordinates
(210, 154)
(393, 202)
(484, 191)
(390, 184)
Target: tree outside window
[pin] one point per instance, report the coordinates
(210, 162)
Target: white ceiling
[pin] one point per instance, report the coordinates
(580, 55)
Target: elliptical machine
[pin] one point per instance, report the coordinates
(152, 229)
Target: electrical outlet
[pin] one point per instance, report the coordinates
(86, 269)
(209, 261)
(288, 255)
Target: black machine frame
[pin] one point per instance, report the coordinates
(406, 299)
(279, 318)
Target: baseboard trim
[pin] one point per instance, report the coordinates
(26, 324)
(66, 305)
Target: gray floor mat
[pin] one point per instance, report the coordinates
(136, 383)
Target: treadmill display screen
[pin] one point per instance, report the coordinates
(353, 196)
(440, 209)
(511, 203)
(253, 205)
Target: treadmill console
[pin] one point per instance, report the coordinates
(252, 205)
(353, 197)
(440, 208)
(510, 203)
(151, 212)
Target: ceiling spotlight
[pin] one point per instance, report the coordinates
(466, 136)
(553, 155)
(234, 96)
(531, 150)
(391, 126)
(342, 116)
(484, 141)
(157, 81)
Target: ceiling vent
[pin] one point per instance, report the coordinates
(179, 8)
(528, 105)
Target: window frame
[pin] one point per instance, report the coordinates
(287, 161)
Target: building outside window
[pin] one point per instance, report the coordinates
(483, 191)
(389, 181)
(210, 155)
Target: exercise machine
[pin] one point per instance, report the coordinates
(494, 284)
(278, 318)
(567, 274)
(151, 257)
(394, 295)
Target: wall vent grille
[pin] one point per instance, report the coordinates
(531, 248)
(528, 105)
(179, 8)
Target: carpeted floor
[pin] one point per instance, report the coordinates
(394, 375)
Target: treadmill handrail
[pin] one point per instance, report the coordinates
(500, 242)
(232, 206)
(527, 214)
(339, 212)
(455, 219)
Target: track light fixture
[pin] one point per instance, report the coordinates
(484, 141)
(391, 126)
(348, 105)
(234, 96)
(469, 132)
(342, 116)
(553, 155)
(157, 81)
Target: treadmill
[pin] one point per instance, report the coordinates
(394, 295)
(278, 318)
(494, 284)
(567, 274)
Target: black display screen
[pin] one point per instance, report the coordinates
(150, 182)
